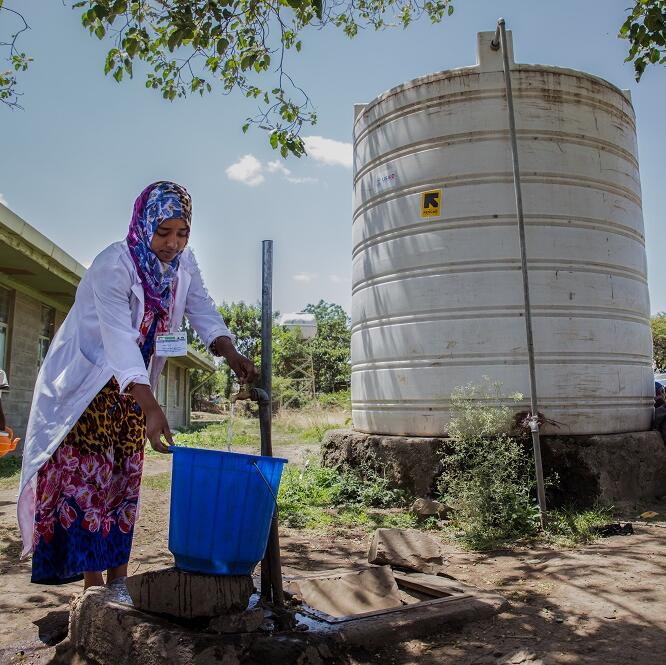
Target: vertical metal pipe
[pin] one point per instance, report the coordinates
(271, 567)
(267, 336)
(266, 367)
(534, 418)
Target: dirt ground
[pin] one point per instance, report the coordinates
(603, 603)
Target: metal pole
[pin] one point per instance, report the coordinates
(267, 334)
(534, 408)
(271, 567)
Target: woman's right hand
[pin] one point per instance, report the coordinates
(157, 427)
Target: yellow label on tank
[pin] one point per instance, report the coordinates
(431, 202)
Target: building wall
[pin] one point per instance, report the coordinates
(176, 398)
(22, 358)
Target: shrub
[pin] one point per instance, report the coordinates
(488, 471)
(338, 400)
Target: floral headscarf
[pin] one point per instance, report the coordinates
(157, 203)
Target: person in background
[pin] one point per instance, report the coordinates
(659, 395)
(3, 386)
(94, 403)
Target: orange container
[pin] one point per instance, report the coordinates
(7, 442)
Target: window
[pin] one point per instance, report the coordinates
(4, 326)
(162, 389)
(45, 332)
(179, 386)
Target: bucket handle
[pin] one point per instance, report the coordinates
(268, 485)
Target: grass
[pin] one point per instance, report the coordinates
(309, 424)
(565, 527)
(10, 472)
(160, 481)
(306, 425)
(571, 526)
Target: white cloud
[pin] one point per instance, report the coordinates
(336, 279)
(300, 181)
(3, 200)
(304, 276)
(277, 166)
(329, 151)
(248, 170)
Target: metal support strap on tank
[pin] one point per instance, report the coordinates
(271, 567)
(500, 43)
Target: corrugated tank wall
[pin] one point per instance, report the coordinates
(437, 294)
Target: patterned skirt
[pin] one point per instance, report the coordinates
(87, 493)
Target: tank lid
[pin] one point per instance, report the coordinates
(489, 59)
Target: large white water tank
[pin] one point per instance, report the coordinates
(437, 294)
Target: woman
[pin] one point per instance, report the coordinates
(93, 405)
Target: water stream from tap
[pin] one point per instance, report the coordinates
(230, 428)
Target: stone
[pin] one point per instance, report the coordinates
(405, 548)
(424, 507)
(343, 593)
(607, 468)
(243, 622)
(186, 595)
(408, 463)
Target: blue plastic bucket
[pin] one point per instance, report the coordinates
(221, 509)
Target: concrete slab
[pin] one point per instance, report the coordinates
(105, 632)
(185, 595)
(405, 548)
(431, 585)
(348, 592)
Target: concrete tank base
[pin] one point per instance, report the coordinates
(408, 462)
(607, 468)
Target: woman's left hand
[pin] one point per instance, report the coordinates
(243, 367)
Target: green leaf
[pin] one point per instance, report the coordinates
(222, 45)
(118, 74)
(245, 127)
(132, 47)
(274, 140)
(175, 38)
(450, 10)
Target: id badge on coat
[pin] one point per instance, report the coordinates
(171, 344)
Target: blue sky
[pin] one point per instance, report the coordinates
(74, 160)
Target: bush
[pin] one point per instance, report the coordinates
(488, 472)
(338, 400)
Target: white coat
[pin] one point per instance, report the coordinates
(99, 340)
